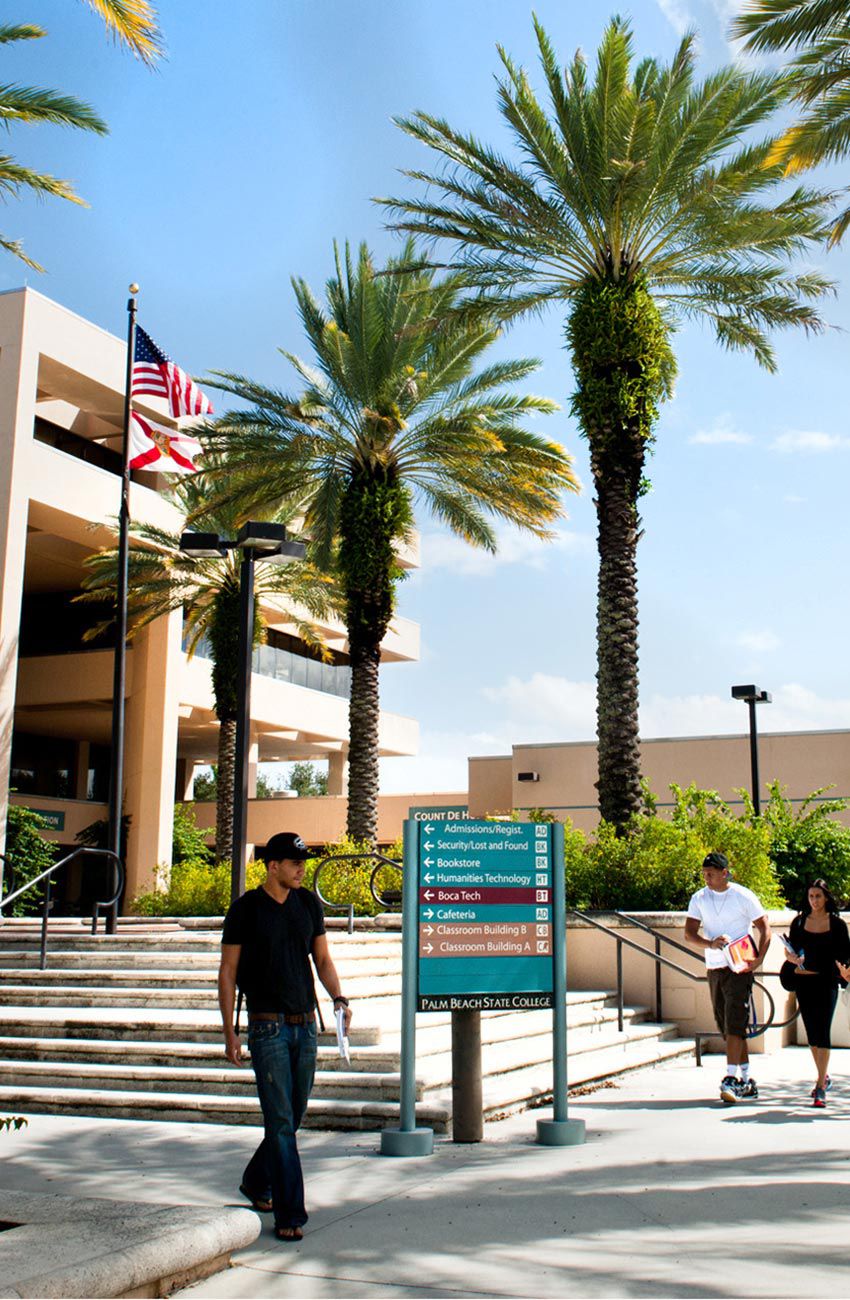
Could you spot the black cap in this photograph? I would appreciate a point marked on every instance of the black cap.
(719, 861)
(285, 846)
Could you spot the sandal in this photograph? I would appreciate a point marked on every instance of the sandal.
(289, 1234)
(262, 1204)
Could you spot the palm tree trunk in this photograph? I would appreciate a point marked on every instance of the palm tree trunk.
(363, 721)
(224, 796)
(617, 634)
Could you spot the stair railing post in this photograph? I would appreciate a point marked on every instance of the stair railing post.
(620, 985)
(659, 1016)
(44, 915)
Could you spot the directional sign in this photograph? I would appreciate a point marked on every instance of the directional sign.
(484, 904)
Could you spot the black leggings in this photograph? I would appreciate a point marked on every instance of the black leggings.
(816, 1000)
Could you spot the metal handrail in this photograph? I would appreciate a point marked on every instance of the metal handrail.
(383, 861)
(48, 877)
(755, 1032)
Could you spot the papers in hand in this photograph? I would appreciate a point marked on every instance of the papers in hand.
(342, 1036)
(740, 952)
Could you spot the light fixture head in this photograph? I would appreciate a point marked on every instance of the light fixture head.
(202, 545)
(286, 553)
(751, 693)
(257, 536)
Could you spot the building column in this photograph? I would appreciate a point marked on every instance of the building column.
(18, 383)
(184, 780)
(81, 775)
(253, 765)
(338, 773)
(150, 753)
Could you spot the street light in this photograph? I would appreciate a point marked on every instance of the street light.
(753, 696)
(256, 541)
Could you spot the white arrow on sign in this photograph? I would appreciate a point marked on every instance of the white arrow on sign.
(427, 877)
(427, 929)
(429, 830)
(427, 947)
(429, 862)
(428, 846)
(429, 912)
(428, 895)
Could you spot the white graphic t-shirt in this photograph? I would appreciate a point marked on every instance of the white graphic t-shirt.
(731, 913)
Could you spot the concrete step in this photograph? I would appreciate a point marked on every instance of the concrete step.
(208, 1109)
(137, 1024)
(364, 958)
(38, 988)
(224, 1080)
(372, 1058)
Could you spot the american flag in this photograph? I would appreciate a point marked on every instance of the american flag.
(167, 451)
(156, 375)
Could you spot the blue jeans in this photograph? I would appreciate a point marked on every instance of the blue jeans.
(284, 1061)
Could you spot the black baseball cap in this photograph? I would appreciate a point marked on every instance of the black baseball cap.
(285, 846)
(719, 861)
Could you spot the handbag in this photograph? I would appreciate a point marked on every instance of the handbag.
(788, 976)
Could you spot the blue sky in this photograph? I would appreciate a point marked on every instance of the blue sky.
(262, 138)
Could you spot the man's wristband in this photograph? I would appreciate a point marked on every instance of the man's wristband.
(341, 999)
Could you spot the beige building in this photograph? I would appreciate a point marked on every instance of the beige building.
(61, 410)
(561, 778)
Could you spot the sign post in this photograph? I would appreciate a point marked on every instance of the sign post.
(483, 929)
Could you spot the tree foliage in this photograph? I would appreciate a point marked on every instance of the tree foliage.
(395, 411)
(817, 34)
(637, 197)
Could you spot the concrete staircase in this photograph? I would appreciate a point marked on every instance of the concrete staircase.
(127, 1026)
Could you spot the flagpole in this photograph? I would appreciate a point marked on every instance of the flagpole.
(119, 678)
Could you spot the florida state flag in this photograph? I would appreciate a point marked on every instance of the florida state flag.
(167, 451)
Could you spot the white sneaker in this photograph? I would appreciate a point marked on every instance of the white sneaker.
(730, 1089)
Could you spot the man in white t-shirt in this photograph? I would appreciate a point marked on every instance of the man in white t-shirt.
(725, 912)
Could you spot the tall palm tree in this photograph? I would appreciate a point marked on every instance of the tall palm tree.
(162, 578)
(638, 199)
(393, 410)
(818, 79)
(133, 23)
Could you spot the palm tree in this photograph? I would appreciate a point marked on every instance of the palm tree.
(818, 79)
(133, 23)
(393, 410)
(162, 578)
(637, 200)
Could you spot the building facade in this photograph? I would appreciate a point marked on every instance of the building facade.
(61, 415)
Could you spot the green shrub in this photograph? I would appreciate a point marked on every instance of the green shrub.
(27, 855)
(807, 843)
(188, 841)
(195, 888)
(348, 882)
(656, 865)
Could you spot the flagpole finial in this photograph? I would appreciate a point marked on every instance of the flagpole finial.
(134, 288)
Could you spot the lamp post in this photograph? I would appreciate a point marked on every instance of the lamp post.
(256, 541)
(753, 696)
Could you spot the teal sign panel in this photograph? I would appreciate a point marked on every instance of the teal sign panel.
(484, 901)
(442, 813)
(53, 821)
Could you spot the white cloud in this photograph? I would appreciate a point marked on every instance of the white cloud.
(444, 551)
(760, 642)
(719, 437)
(803, 441)
(677, 14)
(793, 500)
(441, 764)
(548, 707)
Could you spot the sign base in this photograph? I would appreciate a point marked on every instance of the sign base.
(560, 1132)
(414, 1142)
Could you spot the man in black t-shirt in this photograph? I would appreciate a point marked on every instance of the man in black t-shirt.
(269, 936)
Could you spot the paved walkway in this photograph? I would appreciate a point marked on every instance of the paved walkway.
(673, 1195)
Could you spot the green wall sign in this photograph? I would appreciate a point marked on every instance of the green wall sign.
(54, 821)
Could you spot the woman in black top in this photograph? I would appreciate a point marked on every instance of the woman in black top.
(822, 943)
